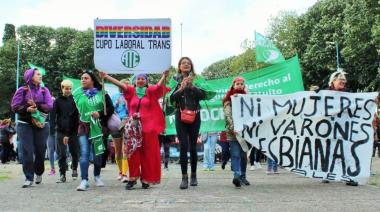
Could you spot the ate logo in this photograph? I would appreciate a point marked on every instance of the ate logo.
(130, 58)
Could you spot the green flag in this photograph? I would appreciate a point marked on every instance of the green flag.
(42, 70)
(266, 51)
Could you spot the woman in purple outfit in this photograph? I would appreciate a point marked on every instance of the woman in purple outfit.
(31, 102)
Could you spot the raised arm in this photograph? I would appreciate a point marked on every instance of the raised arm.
(112, 80)
(163, 78)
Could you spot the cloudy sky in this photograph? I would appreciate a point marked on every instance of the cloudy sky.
(211, 29)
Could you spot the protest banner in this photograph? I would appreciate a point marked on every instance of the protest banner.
(282, 78)
(132, 45)
(324, 135)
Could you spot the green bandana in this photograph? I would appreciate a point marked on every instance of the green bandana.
(140, 92)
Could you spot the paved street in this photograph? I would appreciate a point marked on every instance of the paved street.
(283, 192)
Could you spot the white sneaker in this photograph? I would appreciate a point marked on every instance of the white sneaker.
(258, 165)
(124, 179)
(38, 179)
(252, 168)
(27, 184)
(98, 181)
(119, 177)
(83, 186)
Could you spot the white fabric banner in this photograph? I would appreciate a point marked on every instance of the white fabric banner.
(325, 135)
(132, 45)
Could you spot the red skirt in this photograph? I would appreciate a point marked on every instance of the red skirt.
(145, 162)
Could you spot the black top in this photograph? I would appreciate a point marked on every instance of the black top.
(64, 116)
(188, 98)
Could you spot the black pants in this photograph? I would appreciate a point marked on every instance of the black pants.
(376, 144)
(62, 150)
(33, 148)
(188, 136)
(165, 141)
(6, 152)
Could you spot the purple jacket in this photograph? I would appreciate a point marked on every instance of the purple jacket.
(41, 97)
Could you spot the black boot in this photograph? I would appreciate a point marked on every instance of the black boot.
(185, 182)
(193, 179)
(144, 185)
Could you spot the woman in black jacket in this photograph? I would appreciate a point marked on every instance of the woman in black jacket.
(189, 90)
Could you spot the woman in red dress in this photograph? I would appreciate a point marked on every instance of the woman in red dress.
(145, 160)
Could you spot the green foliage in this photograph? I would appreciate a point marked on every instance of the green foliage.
(9, 33)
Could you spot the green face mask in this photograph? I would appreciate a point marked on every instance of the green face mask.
(140, 92)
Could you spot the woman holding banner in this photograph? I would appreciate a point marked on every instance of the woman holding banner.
(189, 90)
(90, 102)
(337, 82)
(143, 151)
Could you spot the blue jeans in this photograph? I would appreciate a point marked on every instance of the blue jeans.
(237, 154)
(33, 144)
(85, 149)
(272, 165)
(209, 151)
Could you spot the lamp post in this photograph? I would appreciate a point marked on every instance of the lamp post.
(17, 72)
(338, 68)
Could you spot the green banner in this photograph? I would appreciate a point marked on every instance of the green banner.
(282, 78)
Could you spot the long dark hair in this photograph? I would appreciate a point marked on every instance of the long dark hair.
(191, 63)
(94, 78)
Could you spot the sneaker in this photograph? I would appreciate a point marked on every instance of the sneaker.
(74, 175)
(144, 185)
(130, 185)
(258, 165)
(27, 184)
(124, 179)
(119, 177)
(269, 172)
(38, 179)
(98, 181)
(52, 172)
(62, 179)
(252, 168)
(83, 186)
(276, 172)
(244, 181)
(236, 181)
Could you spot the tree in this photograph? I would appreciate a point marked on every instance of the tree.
(9, 33)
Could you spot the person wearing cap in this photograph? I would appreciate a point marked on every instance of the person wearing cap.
(144, 159)
(65, 117)
(237, 148)
(29, 102)
(89, 100)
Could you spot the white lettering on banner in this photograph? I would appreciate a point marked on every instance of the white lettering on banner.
(325, 135)
(214, 114)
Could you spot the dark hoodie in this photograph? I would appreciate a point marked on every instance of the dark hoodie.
(40, 95)
(65, 115)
